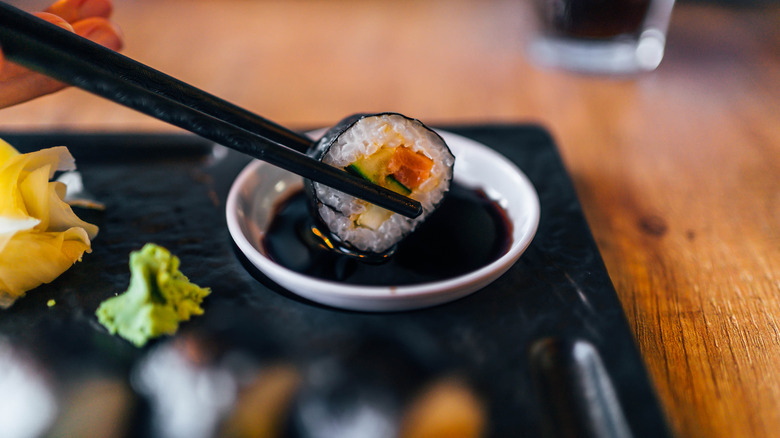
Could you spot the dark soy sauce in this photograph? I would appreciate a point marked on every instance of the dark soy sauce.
(467, 232)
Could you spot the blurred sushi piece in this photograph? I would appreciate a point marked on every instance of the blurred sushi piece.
(388, 149)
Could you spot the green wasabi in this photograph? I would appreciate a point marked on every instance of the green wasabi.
(158, 298)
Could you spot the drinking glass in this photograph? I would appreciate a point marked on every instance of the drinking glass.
(601, 36)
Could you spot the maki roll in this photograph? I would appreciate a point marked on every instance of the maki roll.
(388, 149)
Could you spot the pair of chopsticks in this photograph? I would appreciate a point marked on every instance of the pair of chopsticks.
(67, 57)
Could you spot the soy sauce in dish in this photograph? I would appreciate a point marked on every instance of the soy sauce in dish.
(466, 232)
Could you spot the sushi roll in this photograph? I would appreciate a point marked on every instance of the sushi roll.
(390, 150)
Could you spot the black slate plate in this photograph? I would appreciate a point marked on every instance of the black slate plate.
(546, 347)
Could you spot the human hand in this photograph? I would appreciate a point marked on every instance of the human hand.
(88, 18)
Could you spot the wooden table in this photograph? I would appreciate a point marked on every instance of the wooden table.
(678, 170)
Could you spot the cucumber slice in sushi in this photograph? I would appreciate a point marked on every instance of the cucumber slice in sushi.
(389, 149)
(389, 181)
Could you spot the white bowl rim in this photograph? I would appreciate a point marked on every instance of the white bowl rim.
(333, 292)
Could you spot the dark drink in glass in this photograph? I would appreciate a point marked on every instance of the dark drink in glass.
(601, 36)
(593, 19)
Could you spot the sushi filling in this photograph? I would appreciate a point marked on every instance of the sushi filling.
(399, 169)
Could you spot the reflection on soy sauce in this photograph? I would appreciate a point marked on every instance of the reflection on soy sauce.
(467, 232)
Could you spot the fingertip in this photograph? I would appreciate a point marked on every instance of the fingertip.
(75, 10)
(54, 19)
(101, 31)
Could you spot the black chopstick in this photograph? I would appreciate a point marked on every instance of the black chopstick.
(67, 57)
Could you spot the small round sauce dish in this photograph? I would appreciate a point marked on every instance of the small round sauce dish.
(261, 188)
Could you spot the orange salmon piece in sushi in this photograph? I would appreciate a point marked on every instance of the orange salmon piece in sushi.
(410, 168)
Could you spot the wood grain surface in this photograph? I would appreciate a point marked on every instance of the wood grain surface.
(678, 170)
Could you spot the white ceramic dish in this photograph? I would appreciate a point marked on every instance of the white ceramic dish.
(260, 186)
